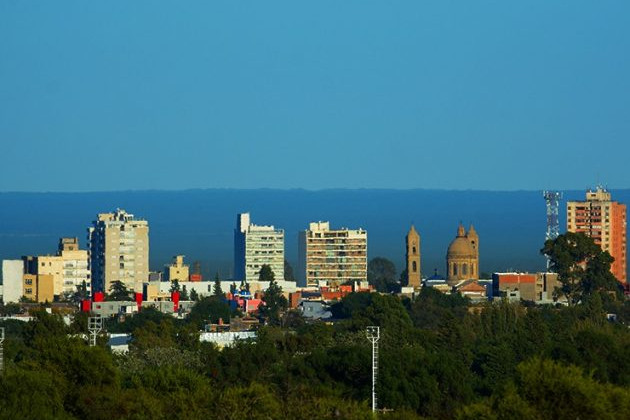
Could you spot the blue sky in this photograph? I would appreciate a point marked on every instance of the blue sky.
(499, 95)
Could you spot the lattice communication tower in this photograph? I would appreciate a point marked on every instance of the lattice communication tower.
(552, 199)
(373, 334)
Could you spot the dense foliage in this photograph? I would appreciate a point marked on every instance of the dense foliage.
(440, 357)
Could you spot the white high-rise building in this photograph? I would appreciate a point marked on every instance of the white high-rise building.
(119, 251)
(255, 246)
(327, 255)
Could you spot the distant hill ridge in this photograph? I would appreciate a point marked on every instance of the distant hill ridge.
(199, 223)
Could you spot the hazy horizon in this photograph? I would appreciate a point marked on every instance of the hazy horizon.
(140, 190)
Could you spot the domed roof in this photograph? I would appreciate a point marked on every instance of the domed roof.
(460, 247)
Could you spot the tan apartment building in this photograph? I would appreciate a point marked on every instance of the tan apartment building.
(177, 270)
(605, 221)
(51, 265)
(327, 255)
(76, 269)
(29, 286)
(68, 268)
(118, 251)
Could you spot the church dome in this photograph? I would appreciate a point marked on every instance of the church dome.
(460, 247)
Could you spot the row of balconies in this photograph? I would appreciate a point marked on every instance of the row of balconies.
(337, 268)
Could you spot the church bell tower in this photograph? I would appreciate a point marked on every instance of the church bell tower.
(413, 258)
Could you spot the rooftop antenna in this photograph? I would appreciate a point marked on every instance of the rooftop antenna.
(373, 334)
(552, 200)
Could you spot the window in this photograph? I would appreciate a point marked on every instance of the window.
(414, 267)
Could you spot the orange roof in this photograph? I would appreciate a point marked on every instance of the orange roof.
(516, 278)
(472, 287)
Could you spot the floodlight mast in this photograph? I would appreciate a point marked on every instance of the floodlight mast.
(1, 350)
(373, 334)
(95, 326)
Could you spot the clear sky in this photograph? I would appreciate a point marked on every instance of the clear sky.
(498, 95)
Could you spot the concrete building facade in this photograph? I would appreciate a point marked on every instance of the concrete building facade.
(51, 265)
(39, 288)
(177, 270)
(535, 287)
(331, 256)
(412, 242)
(29, 286)
(12, 272)
(605, 221)
(255, 246)
(118, 250)
(462, 257)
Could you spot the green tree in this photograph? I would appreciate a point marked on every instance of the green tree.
(9, 309)
(194, 296)
(174, 286)
(209, 309)
(266, 273)
(184, 294)
(544, 389)
(582, 266)
(31, 394)
(275, 302)
(255, 401)
(217, 291)
(382, 274)
(81, 293)
(118, 291)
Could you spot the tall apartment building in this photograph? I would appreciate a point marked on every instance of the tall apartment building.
(255, 246)
(76, 269)
(118, 250)
(603, 220)
(327, 255)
